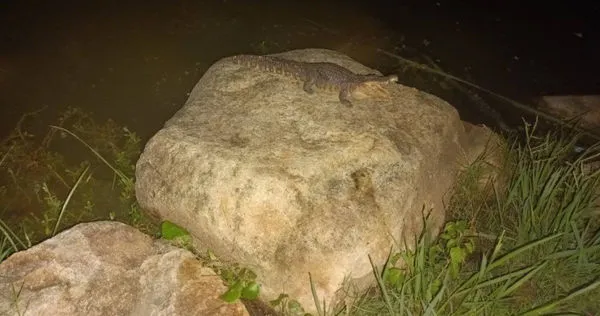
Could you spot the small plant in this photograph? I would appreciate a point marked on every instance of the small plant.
(176, 234)
(455, 243)
(241, 282)
(289, 306)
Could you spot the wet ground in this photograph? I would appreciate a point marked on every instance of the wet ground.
(135, 61)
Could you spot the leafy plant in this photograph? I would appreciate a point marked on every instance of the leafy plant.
(241, 284)
(176, 234)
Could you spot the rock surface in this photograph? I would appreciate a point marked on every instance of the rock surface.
(485, 156)
(109, 268)
(583, 109)
(289, 183)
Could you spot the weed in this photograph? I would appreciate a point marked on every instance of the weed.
(48, 183)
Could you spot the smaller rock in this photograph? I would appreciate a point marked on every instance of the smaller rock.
(109, 268)
(584, 109)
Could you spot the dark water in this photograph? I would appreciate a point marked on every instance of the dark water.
(135, 61)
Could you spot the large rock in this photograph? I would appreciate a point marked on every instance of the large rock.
(289, 183)
(109, 268)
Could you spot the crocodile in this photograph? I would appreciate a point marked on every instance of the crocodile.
(323, 75)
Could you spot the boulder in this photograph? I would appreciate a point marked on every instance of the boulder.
(109, 268)
(289, 183)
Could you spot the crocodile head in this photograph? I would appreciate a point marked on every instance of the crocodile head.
(375, 88)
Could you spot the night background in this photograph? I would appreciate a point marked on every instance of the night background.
(135, 61)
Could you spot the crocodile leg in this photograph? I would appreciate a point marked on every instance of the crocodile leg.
(345, 96)
(309, 85)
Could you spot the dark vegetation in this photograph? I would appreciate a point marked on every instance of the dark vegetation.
(530, 247)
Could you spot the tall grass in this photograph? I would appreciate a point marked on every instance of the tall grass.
(533, 250)
(79, 170)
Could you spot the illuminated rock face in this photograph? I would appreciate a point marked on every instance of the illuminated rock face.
(289, 183)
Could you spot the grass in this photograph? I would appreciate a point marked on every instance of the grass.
(532, 249)
(45, 191)
(524, 243)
